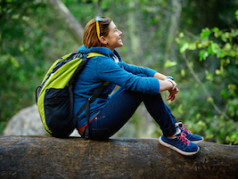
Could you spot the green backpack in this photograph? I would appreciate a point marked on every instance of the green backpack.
(54, 97)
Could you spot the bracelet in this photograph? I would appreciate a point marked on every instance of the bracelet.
(172, 86)
(169, 77)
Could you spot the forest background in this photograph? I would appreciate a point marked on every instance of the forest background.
(196, 42)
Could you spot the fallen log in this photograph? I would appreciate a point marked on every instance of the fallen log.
(48, 157)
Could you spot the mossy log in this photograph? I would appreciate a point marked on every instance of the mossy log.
(48, 157)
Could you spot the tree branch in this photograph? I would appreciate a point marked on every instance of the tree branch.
(68, 19)
(203, 87)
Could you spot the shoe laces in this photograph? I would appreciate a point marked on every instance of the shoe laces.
(183, 138)
(185, 129)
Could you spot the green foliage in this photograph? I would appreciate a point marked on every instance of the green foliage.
(25, 45)
(221, 44)
(13, 33)
(217, 50)
(169, 64)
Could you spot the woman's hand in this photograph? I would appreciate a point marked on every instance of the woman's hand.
(172, 94)
(173, 91)
(167, 85)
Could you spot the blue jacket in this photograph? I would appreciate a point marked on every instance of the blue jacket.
(102, 69)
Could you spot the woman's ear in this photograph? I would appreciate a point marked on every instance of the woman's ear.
(103, 40)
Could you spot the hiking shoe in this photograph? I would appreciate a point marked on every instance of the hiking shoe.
(180, 144)
(192, 137)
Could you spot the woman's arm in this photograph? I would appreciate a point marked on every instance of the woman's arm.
(108, 70)
(159, 76)
(137, 69)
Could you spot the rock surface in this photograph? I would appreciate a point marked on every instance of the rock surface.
(48, 157)
(27, 122)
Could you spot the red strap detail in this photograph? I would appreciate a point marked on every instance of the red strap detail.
(81, 129)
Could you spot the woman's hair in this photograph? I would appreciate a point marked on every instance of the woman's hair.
(90, 37)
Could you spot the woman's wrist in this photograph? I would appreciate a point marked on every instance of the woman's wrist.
(172, 85)
(169, 77)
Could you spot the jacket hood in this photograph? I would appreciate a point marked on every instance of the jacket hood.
(101, 50)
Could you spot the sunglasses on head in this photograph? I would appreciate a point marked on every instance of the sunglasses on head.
(98, 19)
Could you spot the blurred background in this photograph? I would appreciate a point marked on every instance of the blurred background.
(196, 42)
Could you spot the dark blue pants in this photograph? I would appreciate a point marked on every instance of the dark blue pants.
(122, 105)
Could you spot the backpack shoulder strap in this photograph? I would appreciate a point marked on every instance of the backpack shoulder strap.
(94, 54)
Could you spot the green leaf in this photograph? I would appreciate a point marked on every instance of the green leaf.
(180, 109)
(183, 73)
(215, 48)
(210, 50)
(215, 29)
(21, 48)
(205, 33)
(220, 71)
(225, 62)
(181, 35)
(227, 46)
(225, 36)
(201, 124)
(224, 93)
(198, 115)
(221, 53)
(203, 44)
(210, 99)
(192, 46)
(217, 32)
(232, 87)
(169, 64)
(14, 62)
(184, 47)
(203, 55)
(209, 76)
(234, 33)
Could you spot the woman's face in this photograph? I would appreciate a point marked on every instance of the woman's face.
(113, 39)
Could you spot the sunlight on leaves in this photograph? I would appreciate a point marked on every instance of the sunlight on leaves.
(169, 64)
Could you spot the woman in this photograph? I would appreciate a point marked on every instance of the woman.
(137, 84)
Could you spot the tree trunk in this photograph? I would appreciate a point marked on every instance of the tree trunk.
(174, 23)
(133, 28)
(68, 19)
(48, 157)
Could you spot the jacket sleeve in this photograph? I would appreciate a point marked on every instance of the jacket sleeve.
(108, 70)
(137, 69)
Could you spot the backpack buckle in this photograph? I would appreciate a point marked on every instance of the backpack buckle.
(78, 55)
